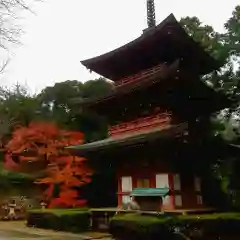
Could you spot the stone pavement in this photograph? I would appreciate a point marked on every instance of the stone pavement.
(17, 230)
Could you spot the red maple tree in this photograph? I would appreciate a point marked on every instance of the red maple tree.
(41, 146)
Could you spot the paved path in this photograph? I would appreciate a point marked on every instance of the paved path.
(18, 231)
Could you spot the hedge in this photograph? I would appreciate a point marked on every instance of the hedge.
(212, 226)
(218, 224)
(70, 220)
(135, 226)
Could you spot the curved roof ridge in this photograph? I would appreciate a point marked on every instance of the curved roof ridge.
(165, 42)
(168, 19)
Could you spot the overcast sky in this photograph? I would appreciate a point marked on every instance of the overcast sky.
(64, 32)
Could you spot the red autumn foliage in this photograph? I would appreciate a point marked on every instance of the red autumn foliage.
(42, 146)
(67, 198)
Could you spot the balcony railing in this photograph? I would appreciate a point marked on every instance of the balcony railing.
(141, 75)
(160, 119)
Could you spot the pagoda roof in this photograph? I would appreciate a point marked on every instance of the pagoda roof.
(164, 73)
(130, 139)
(166, 42)
(215, 100)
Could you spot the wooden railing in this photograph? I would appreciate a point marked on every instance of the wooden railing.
(160, 119)
(141, 75)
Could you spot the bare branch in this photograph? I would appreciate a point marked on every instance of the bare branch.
(9, 14)
(4, 65)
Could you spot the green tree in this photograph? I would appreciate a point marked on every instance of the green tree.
(17, 106)
(225, 126)
(210, 40)
(222, 46)
(232, 36)
(62, 99)
(57, 99)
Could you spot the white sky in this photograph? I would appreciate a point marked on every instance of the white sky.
(63, 32)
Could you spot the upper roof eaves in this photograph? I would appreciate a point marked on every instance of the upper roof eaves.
(168, 40)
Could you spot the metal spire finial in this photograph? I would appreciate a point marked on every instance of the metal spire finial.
(151, 13)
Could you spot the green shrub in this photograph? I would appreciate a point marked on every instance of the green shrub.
(137, 226)
(70, 220)
(217, 224)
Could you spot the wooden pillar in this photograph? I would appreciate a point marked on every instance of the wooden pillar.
(119, 190)
(171, 187)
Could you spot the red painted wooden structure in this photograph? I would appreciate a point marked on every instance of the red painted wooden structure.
(157, 86)
(159, 120)
(181, 196)
(140, 76)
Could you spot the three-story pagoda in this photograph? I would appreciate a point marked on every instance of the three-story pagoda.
(156, 103)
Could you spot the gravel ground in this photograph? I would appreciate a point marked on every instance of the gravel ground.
(18, 230)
